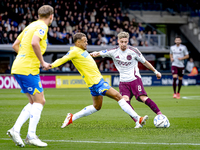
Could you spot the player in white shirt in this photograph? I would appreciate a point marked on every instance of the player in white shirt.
(178, 53)
(126, 59)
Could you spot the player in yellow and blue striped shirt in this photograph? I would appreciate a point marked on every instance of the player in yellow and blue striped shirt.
(88, 69)
(30, 45)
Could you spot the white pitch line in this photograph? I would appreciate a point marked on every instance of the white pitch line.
(139, 143)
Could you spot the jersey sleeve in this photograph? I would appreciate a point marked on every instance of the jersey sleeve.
(105, 53)
(41, 31)
(171, 52)
(20, 36)
(140, 57)
(63, 60)
(186, 51)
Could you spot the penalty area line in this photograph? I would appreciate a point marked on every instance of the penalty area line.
(101, 142)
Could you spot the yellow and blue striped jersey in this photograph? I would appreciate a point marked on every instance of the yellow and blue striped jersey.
(84, 63)
(26, 61)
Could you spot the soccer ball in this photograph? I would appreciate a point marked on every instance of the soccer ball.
(161, 121)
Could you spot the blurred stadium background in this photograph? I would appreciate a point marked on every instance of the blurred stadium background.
(152, 25)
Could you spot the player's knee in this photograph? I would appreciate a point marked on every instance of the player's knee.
(142, 98)
(126, 98)
(180, 78)
(117, 96)
(43, 102)
(97, 107)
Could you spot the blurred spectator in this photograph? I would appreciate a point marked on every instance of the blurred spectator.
(134, 23)
(66, 68)
(58, 33)
(106, 29)
(189, 65)
(7, 24)
(93, 15)
(68, 27)
(5, 39)
(15, 36)
(133, 41)
(50, 32)
(126, 18)
(5, 16)
(141, 28)
(141, 36)
(89, 37)
(63, 33)
(1, 33)
(154, 39)
(107, 67)
(11, 39)
(54, 22)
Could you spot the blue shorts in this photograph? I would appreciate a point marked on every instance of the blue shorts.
(29, 84)
(100, 88)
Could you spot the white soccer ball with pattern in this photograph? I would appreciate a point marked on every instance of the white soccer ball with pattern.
(161, 121)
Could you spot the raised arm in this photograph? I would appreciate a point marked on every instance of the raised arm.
(149, 66)
(95, 54)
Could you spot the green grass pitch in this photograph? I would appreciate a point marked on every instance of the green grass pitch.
(110, 128)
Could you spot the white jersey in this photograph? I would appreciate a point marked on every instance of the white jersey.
(126, 61)
(178, 52)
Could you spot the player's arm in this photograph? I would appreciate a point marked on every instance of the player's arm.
(60, 61)
(36, 47)
(15, 45)
(95, 54)
(185, 57)
(171, 57)
(103, 53)
(149, 66)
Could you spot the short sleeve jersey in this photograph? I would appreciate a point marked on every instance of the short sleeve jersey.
(178, 52)
(126, 62)
(26, 61)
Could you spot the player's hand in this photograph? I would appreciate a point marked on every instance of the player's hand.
(94, 54)
(46, 66)
(179, 58)
(158, 75)
(172, 59)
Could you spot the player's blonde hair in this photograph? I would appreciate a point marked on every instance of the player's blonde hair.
(123, 35)
(78, 36)
(45, 11)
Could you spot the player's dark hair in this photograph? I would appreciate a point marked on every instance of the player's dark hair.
(178, 36)
(78, 36)
(45, 11)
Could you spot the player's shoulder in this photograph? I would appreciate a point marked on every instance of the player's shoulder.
(134, 50)
(183, 46)
(173, 46)
(113, 49)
